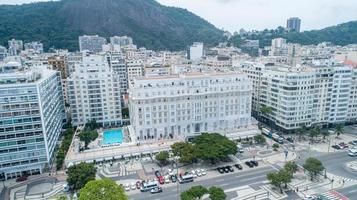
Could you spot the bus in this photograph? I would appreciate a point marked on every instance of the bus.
(277, 138)
(185, 178)
(352, 152)
(266, 132)
(147, 186)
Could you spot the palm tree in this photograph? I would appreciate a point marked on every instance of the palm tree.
(325, 133)
(301, 131)
(338, 130)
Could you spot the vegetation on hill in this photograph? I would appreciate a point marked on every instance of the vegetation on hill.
(59, 23)
(342, 34)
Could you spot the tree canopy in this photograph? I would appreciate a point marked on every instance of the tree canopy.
(104, 189)
(213, 146)
(280, 177)
(79, 175)
(216, 193)
(185, 150)
(195, 192)
(88, 136)
(162, 157)
(313, 166)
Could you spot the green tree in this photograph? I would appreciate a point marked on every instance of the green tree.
(195, 192)
(213, 146)
(162, 157)
(88, 136)
(260, 139)
(301, 131)
(79, 175)
(65, 144)
(266, 110)
(313, 166)
(125, 112)
(338, 130)
(275, 146)
(185, 150)
(104, 189)
(216, 193)
(62, 197)
(291, 167)
(278, 178)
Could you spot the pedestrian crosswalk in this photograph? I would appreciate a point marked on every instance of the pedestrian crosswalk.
(341, 179)
(333, 195)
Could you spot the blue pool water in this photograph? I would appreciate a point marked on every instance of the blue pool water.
(112, 137)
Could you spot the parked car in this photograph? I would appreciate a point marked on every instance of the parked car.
(230, 168)
(238, 166)
(132, 186)
(203, 172)
(249, 164)
(226, 170)
(170, 172)
(289, 139)
(161, 180)
(21, 178)
(254, 162)
(138, 184)
(220, 170)
(354, 142)
(336, 146)
(193, 172)
(173, 178)
(198, 172)
(127, 187)
(156, 190)
(157, 173)
(167, 179)
(343, 145)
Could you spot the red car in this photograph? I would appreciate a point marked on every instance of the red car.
(21, 178)
(161, 180)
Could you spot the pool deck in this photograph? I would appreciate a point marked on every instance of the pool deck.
(123, 151)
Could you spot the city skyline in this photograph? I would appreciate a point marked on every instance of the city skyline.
(330, 13)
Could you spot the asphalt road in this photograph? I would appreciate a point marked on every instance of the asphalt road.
(334, 162)
(226, 181)
(350, 192)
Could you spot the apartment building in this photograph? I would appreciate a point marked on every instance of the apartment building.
(94, 92)
(35, 47)
(92, 43)
(3, 53)
(303, 95)
(183, 106)
(31, 119)
(59, 63)
(15, 47)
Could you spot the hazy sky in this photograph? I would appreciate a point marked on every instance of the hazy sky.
(259, 14)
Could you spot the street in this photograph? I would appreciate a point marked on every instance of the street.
(335, 163)
(228, 181)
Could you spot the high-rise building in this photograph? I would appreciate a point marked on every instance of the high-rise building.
(15, 47)
(59, 63)
(92, 43)
(94, 92)
(293, 24)
(304, 95)
(121, 41)
(3, 53)
(196, 51)
(36, 47)
(183, 106)
(31, 120)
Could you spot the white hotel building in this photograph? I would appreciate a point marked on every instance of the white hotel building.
(31, 119)
(183, 106)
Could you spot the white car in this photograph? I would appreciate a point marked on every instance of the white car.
(193, 172)
(171, 173)
(203, 172)
(198, 172)
(167, 179)
(133, 186)
(127, 187)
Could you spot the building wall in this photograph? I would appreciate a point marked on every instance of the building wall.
(186, 105)
(31, 119)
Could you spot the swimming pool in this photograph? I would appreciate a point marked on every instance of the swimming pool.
(112, 137)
